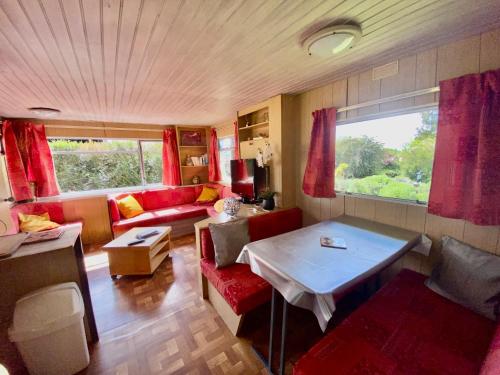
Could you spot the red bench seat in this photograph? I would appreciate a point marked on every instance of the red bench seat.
(405, 328)
(237, 284)
(160, 216)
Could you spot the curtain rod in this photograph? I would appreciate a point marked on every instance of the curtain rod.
(390, 99)
(101, 128)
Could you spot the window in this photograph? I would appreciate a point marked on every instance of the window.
(388, 157)
(93, 164)
(226, 154)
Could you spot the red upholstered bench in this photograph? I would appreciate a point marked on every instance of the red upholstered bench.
(174, 206)
(406, 328)
(54, 209)
(236, 290)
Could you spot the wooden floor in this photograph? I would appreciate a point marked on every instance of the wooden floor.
(160, 324)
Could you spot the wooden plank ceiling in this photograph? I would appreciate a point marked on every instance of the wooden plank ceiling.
(198, 61)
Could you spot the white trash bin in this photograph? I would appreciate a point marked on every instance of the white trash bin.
(48, 330)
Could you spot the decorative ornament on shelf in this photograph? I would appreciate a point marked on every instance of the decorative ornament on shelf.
(267, 197)
(232, 206)
(264, 157)
(196, 180)
(189, 162)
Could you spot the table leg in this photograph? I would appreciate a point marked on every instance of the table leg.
(271, 330)
(283, 337)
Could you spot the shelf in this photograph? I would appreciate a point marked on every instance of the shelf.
(193, 166)
(254, 125)
(200, 146)
(255, 140)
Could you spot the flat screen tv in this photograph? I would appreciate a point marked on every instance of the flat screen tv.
(247, 179)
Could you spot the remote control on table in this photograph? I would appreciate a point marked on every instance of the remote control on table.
(147, 234)
(136, 242)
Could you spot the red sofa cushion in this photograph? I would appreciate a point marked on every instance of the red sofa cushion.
(162, 198)
(157, 217)
(207, 245)
(114, 211)
(405, 328)
(54, 209)
(491, 365)
(239, 286)
(274, 223)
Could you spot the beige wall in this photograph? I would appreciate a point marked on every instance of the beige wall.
(419, 71)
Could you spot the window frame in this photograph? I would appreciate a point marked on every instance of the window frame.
(138, 151)
(232, 149)
(378, 116)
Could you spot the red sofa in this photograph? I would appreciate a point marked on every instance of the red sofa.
(165, 206)
(406, 328)
(240, 288)
(54, 209)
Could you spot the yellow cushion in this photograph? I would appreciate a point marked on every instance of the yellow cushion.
(129, 207)
(219, 205)
(208, 195)
(36, 223)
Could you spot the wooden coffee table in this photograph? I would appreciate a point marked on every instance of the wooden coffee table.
(140, 259)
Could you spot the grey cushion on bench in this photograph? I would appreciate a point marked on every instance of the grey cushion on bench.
(229, 239)
(469, 277)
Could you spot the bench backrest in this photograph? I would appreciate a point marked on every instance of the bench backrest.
(259, 227)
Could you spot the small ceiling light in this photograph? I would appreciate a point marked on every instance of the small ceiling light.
(332, 40)
(45, 112)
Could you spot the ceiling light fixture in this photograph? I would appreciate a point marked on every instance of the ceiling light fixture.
(44, 112)
(332, 40)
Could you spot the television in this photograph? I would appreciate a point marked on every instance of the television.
(248, 179)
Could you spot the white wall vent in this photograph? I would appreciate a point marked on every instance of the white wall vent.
(385, 71)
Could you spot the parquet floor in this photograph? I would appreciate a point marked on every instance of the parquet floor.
(160, 324)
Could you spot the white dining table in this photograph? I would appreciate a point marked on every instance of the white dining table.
(309, 275)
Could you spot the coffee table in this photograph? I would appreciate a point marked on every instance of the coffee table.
(140, 259)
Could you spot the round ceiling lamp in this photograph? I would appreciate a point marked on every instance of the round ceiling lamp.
(332, 40)
(44, 112)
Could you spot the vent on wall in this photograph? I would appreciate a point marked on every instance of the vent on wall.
(385, 71)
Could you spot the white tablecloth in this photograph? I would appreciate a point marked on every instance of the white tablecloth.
(308, 275)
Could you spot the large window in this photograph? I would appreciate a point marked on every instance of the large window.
(226, 154)
(93, 164)
(388, 157)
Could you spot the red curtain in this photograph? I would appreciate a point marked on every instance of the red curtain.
(320, 169)
(213, 158)
(466, 173)
(236, 141)
(171, 165)
(29, 159)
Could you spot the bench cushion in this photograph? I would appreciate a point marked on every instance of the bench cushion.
(405, 328)
(239, 286)
(158, 217)
(491, 364)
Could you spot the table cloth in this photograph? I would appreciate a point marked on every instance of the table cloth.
(309, 276)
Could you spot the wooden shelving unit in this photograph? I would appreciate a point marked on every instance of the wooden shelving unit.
(253, 127)
(188, 150)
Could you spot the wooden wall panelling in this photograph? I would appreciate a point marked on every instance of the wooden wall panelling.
(369, 89)
(225, 129)
(426, 75)
(490, 51)
(399, 83)
(352, 94)
(458, 58)
(483, 237)
(93, 211)
(289, 135)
